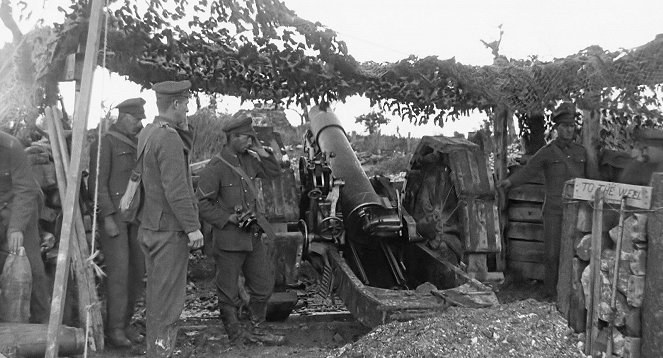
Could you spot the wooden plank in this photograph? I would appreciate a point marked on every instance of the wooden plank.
(636, 196)
(528, 192)
(536, 179)
(469, 172)
(569, 236)
(71, 199)
(525, 212)
(652, 311)
(480, 224)
(525, 231)
(530, 270)
(591, 323)
(86, 284)
(526, 251)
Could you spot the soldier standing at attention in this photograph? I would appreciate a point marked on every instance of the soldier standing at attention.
(560, 160)
(19, 203)
(125, 263)
(168, 217)
(228, 200)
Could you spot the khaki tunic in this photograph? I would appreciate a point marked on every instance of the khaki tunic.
(220, 189)
(559, 163)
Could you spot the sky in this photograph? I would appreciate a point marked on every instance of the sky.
(390, 30)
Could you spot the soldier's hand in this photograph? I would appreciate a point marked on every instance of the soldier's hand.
(195, 239)
(14, 241)
(233, 219)
(110, 226)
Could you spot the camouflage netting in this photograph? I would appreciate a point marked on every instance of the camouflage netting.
(262, 51)
(529, 86)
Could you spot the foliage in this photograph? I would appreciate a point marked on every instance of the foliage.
(260, 50)
(390, 166)
(209, 136)
(372, 121)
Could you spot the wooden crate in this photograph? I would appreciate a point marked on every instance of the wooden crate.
(525, 231)
(481, 233)
(477, 207)
(525, 212)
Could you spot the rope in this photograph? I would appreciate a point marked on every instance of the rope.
(93, 251)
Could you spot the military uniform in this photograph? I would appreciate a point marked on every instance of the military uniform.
(222, 192)
(559, 161)
(169, 212)
(123, 257)
(19, 203)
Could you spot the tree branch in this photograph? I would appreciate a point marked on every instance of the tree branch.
(8, 20)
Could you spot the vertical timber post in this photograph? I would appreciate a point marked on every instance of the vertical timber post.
(500, 124)
(652, 305)
(591, 134)
(74, 179)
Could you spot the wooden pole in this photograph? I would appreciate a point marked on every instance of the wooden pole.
(615, 275)
(71, 199)
(87, 293)
(500, 123)
(652, 305)
(591, 325)
(591, 139)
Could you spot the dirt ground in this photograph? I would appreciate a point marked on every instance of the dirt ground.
(527, 325)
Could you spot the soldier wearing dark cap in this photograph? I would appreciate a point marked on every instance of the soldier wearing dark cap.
(649, 144)
(19, 202)
(168, 216)
(125, 263)
(560, 160)
(228, 201)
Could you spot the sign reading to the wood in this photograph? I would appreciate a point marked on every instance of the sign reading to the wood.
(636, 196)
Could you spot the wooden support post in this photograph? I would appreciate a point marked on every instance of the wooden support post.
(87, 293)
(71, 198)
(591, 140)
(652, 309)
(592, 329)
(500, 120)
(567, 251)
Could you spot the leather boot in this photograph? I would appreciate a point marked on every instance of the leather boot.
(257, 312)
(235, 331)
(117, 338)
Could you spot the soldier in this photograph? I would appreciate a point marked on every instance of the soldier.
(228, 201)
(649, 144)
(19, 203)
(169, 214)
(560, 160)
(125, 263)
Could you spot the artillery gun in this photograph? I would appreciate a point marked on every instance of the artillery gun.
(367, 241)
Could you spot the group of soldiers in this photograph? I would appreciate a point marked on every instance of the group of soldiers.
(157, 240)
(146, 248)
(563, 159)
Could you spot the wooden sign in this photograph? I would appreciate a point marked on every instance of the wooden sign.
(636, 196)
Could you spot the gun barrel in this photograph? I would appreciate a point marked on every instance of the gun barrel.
(357, 195)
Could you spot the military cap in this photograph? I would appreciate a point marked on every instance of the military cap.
(564, 113)
(240, 123)
(132, 106)
(650, 136)
(172, 89)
